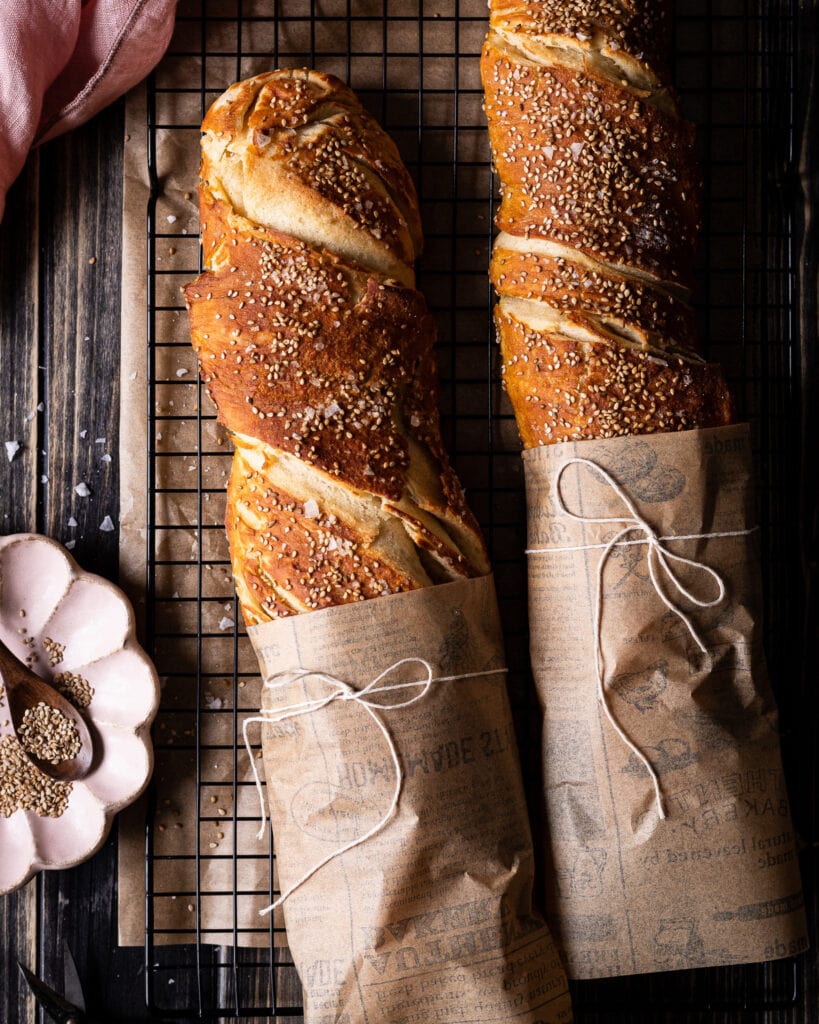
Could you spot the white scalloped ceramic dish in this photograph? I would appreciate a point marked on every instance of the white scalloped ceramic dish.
(95, 622)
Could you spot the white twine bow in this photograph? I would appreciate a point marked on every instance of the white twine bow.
(658, 558)
(341, 691)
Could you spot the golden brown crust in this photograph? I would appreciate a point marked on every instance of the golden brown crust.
(590, 297)
(566, 390)
(589, 164)
(635, 35)
(311, 356)
(295, 150)
(320, 362)
(599, 217)
(290, 559)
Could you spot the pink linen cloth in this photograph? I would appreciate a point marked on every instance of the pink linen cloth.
(62, 61)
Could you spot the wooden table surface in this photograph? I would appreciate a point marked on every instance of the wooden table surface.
(59, 357)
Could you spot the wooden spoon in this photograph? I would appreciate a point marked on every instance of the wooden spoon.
(26, 690)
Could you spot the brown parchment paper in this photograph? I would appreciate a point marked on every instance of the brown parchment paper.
(430, 919)
(717, 882)
(193, 588)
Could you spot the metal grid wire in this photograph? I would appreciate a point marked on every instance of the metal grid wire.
(414, 64)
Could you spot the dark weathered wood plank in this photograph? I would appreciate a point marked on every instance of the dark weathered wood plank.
(18, 352)
(18, 498)
(80, 244)
(81, 222)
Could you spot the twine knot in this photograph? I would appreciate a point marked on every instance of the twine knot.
(339, 690)
(663, 572)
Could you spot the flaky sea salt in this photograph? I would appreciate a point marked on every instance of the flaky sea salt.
(311, 509)
(12, 447)
(83, 489)
(225, 623)
(107, 525)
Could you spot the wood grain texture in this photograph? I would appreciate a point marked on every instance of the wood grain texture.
(19, 307)
(59, 345)
(81, 222)
(18, 489)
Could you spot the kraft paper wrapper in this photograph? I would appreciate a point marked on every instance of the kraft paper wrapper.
(430, 919)
(717, 882)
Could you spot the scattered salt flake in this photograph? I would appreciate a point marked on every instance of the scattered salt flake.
(83, 489)
(12, 447)
(415, 421)
(191, 469)
(171, 219)
(159, 437)
(133, 376)
(100, 440)
(225, 623)
(70, 544)
(368, 471)
(83, 434)
(107, 525)
(331, 410)
(549, 151)
(43, 479)
(30, 416)
(73, 522)
(311, 509)
(106, 458)
(577, 149)
(175, 595)
(182, 371)
(214, 703)
(40, 407)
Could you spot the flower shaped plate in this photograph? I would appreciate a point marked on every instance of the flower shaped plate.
(89, 623)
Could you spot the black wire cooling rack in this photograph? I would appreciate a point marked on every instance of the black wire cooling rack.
(414, 63)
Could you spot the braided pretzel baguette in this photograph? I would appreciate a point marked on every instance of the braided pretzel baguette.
(598, 219)
(317, 351)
